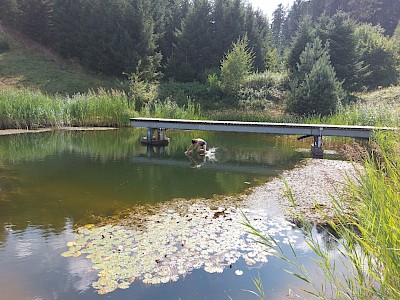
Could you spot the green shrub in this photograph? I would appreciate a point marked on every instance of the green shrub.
(197, 92)
(236, 65)
(260, 90)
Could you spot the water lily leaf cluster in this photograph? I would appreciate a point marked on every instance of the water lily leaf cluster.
(170, 244)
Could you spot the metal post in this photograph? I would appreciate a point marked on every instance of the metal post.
(150, 151)
(149, 135)
(316, 148)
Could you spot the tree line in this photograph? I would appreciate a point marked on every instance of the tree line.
(353, 44)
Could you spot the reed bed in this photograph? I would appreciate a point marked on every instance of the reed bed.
(170, 109)
(101, 108)
(374, 247)
(365, 114)
(26, 109)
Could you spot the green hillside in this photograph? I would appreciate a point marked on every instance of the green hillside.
(28, 64)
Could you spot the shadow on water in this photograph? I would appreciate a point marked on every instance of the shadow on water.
(52, 181)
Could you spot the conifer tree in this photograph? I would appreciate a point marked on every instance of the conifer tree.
(379, 55)
(277, 26)
(292, 21)
(228, 25)
(193, 48)
(35, 20)
(315, 89)
(9, 12)
(175, 12)
(304, 35)
(339, 31)
(68, 18)
(259, 36)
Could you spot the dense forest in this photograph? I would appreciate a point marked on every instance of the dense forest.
(334, 46)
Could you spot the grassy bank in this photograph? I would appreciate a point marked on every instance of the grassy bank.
(23, 108)
(27, 64)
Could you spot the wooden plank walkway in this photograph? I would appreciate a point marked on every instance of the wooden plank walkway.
(315, 130)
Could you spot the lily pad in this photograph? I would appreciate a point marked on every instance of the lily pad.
(162, 247)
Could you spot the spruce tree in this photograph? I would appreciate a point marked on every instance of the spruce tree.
(277, 26)
(9, 12)
(315, 89)
(35, 20)
(228, 25)
(259, 37)
(193, 48)
(304, 35)
(339, 31)
(378, 54)
(68, 27)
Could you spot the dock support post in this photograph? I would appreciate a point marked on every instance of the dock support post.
(316, 148)
(160, 138)
(149, 134)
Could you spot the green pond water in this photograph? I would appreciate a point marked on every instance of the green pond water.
(53, 184)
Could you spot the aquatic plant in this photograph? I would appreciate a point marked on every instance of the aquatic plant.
(32, 109)
(171, 110)
(101, 108)
(28, 110)
(163, 247)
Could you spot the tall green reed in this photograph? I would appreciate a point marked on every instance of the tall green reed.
(170, 109)
(32, 109)
(29, 109)
(377, 219)
(101, 108)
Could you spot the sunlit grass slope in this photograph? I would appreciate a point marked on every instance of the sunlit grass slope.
(27, 64)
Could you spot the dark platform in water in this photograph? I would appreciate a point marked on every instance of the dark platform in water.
(154, 141)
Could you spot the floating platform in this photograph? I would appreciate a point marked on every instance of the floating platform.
(154, 141)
